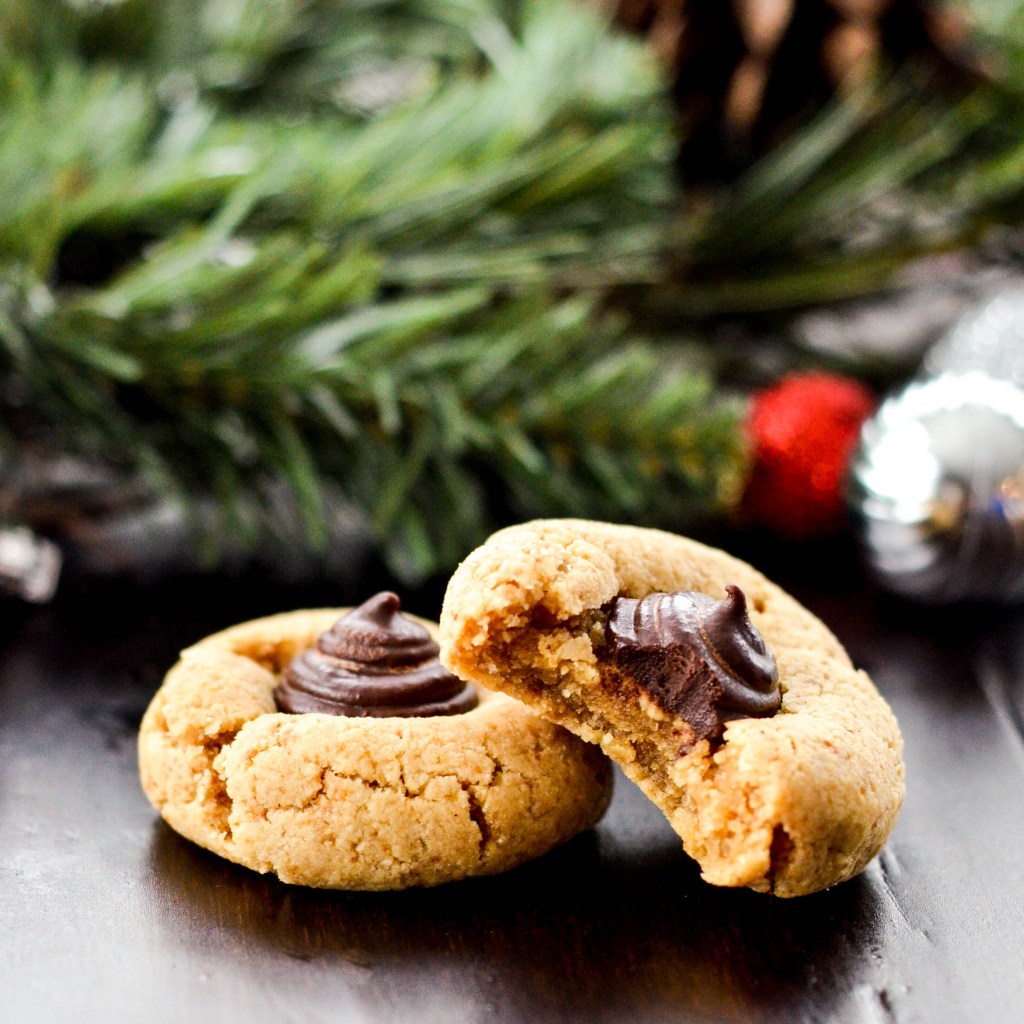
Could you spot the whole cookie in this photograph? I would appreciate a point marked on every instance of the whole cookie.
(731, 706)
(386, 772)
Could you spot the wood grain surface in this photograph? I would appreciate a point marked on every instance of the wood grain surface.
(105, 914)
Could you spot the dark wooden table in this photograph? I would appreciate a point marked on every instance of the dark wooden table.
(105, 914)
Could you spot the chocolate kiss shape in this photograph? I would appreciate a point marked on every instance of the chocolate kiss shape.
(736, 643)
(378, 633)
(374, 662)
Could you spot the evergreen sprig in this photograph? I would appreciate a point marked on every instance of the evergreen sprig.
(228, 279)
(370, 247)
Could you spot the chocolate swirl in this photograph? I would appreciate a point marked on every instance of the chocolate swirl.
(697, 658)
(373, 663)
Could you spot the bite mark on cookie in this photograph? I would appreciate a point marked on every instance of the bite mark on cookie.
(787, 803)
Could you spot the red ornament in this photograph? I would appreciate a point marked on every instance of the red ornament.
(803, 431)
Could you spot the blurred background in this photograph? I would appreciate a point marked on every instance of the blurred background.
(323, 289)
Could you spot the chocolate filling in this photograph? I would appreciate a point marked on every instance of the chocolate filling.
(373, 663)
(699, 659)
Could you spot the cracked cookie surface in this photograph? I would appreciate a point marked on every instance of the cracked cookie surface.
(354, 803)
(787, 804)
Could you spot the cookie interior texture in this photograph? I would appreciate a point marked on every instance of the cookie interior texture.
(354, 803)
(789, 804)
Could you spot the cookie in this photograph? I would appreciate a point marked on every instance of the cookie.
(731, 706)
(348, 758)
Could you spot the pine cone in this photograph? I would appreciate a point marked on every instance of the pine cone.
(747, 72)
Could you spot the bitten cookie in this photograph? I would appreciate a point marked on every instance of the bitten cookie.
(338, 752)
(777, 762)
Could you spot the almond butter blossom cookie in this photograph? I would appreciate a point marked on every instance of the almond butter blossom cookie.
(334, 750)
(732, 707)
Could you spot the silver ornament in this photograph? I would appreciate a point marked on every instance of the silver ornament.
(29, 565)
(937, 485)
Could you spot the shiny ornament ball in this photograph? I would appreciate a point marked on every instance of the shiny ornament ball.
(937, 483)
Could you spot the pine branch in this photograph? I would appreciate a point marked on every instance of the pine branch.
(902, 169)
(450, 415)
(366, 306)
(368, 248)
